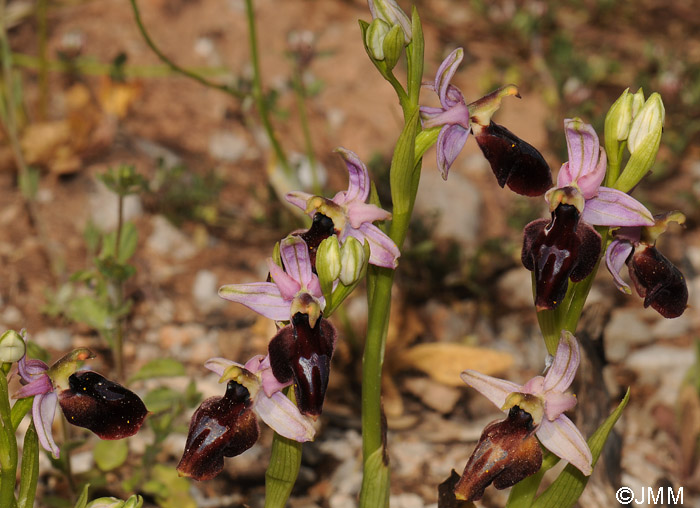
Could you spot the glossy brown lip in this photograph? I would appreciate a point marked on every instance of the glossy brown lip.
(658, 281)
(102, 406)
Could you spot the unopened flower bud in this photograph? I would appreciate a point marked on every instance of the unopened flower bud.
(352, 261)
(637, 101)
(328, 263)
(647, 123)
(619, 118)
(112, 502)
(12, 347)
(390, 12)
(374, 37)
(393, 46)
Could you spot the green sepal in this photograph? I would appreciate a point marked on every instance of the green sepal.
(640, 162)
(567, 488)
(342, 291)
(375, 481)
(393, 46)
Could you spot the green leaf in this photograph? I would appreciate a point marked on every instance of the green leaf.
(162, 398)
(569, 485)
(375, 481)
(402, 164)
(110, 454)
(128, 242)
(160, 367)
(170, 490)
(90, 311)
(29, 474)
(83, 499)
(415, 53)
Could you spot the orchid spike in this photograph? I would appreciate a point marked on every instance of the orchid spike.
(351, 215)
(545, 400)
(226, 426)
(274, 299)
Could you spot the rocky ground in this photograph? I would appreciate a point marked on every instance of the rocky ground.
(460, 281)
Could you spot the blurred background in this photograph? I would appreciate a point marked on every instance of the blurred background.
(84, 95)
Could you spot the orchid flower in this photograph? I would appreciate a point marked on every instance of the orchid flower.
(655, 278)
(274, 299)
(567, 247)
(544, 401)
(87, 399)
(350, 214)
(513, 161)
(226, 426)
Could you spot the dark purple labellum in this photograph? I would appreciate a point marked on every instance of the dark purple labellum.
(514, 162)
(506, 453)
(561, 249)
(303, 354)
(221, 427)
(321, 228)
(658, 281)
(102, 406)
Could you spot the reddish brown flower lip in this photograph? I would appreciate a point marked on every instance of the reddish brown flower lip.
(102, 406)
(221, 427)
(558, 250)
(515, 163)
(506, 453)
(658, 281)
(303, 354)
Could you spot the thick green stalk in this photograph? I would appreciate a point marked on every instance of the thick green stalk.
(258, 93)
(8, 449)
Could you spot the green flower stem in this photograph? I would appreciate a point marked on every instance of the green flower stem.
(175, 67)
(281, 474)
(8, 449)
(258, 93)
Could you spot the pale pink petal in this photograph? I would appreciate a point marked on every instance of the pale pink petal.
(444, 75)
(269, 381)
(584, 149)
(563, 370)
(297, 264)
(557, 403)
(37, 387)
(219, 365)
(43, 412)
(261, 297)
(564, 178)
(382, 249)
(535, 386)
(359, 213)
(359, 183)
(287, 286)
(494, 389)
(456, 115)
(563, 439)
(284, 417)
(450, 142)
(299, 199)
(427, 113)
(615, 257)
(612, 207)
(254, 365)
(31, 369)
(589, 183)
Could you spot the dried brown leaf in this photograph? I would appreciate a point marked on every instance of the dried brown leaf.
(444, 362)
